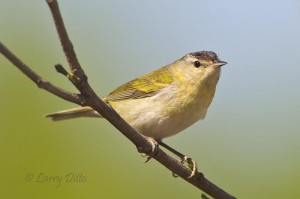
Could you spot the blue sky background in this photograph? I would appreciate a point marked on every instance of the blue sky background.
(248, 144)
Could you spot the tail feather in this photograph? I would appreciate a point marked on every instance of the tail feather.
(73, 113)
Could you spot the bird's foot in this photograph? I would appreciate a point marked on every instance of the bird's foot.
(149, 153)
(192, 164)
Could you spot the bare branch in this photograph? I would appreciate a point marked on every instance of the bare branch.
(65, 41)
(40, 82)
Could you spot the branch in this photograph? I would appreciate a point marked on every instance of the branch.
(64, 40)
(89, 98)
(39, 81)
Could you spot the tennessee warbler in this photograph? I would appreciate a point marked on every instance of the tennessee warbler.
(166, 101)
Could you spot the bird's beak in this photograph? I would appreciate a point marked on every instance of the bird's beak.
(220, 63)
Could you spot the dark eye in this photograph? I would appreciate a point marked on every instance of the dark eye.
(197, 64)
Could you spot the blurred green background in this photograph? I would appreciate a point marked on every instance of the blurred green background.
(248, 144)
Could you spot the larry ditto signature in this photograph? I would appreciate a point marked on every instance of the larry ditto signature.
(57, 180)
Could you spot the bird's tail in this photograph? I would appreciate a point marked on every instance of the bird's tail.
(85, 111)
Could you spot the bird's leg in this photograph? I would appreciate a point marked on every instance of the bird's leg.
(191, 163)
(177, 153)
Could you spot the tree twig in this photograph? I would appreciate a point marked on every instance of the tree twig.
(65, 41)
(39, 81)
(88, 97)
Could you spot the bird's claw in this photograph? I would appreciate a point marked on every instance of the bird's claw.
(192, 164)
(148, 159)
(146, 153)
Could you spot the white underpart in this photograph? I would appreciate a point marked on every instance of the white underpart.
(150, 117)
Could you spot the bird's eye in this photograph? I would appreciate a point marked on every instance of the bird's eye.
(197, 64)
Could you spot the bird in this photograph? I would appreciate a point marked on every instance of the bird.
(164, 102)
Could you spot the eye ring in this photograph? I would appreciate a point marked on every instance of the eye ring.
(197, 64)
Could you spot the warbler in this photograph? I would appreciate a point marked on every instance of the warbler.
(166, 101)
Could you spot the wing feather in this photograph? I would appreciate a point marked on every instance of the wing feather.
(145, 86)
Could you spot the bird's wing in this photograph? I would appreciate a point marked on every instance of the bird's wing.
(145, 86)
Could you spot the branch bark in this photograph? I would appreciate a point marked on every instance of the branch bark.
(88, 97)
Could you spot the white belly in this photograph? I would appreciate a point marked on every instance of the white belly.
(151, 116)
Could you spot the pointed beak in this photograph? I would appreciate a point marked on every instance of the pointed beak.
(220, 63)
